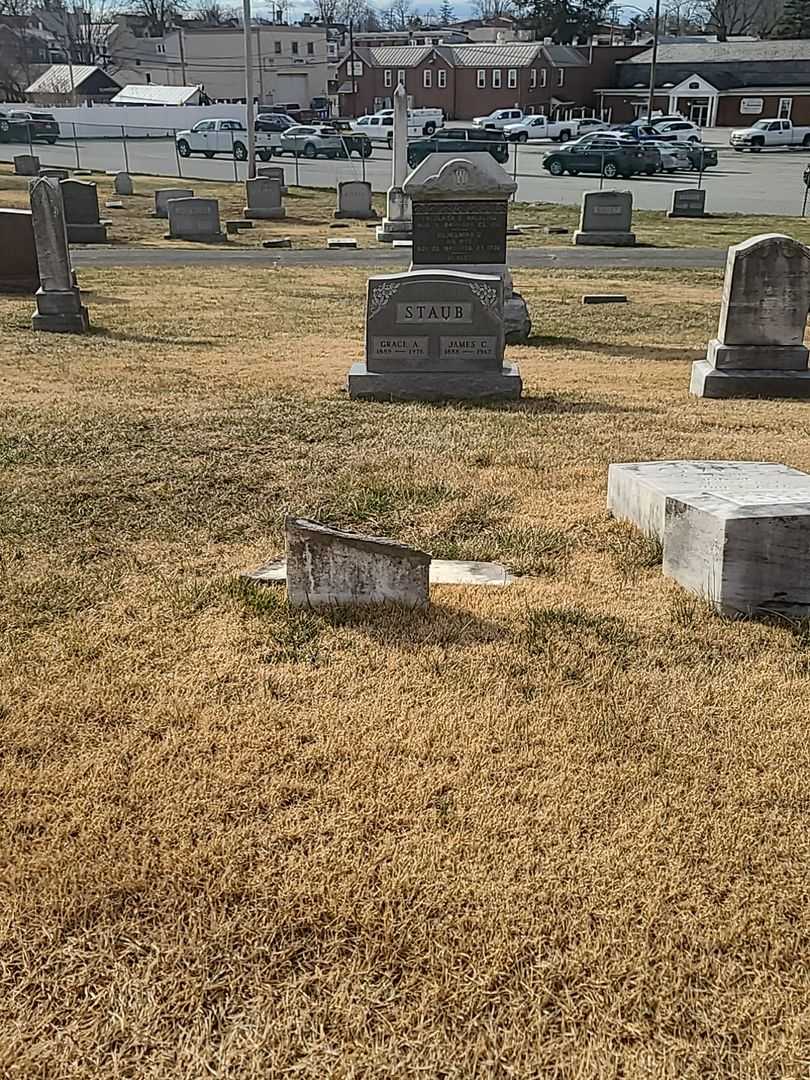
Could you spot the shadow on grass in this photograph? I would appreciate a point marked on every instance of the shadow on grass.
(417, 628)
(631, 352)
(546, 404)
(149, 339)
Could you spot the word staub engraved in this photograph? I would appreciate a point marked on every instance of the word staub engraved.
(428, 312)
(468, 231)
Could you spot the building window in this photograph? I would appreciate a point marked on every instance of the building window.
(543, 77)
(511, 81)
(561, 77)
(481, 79)
(160, 48)
(496, 78)
(441, 78)
(388, 77)
(401, 76)
(533, 79)
(785, 106)
(310, 48)
(427, 78)
(277, 48)
(294, 48)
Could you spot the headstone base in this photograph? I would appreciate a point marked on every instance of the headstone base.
(355, 215)
(87, 234)
(505, 384)
(604, 239)
(390, 230)
(266, 214)
(757, 357)
(709, 382)
(60, 312)
(212, 238)
(687, 213)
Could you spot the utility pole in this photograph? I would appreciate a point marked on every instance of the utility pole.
(651, 99)
(182, 56)
(249, 117)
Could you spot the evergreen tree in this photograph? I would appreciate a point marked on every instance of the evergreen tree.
(446, 14)
(794, 21)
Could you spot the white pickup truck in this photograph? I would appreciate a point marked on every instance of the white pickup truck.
(379, 126)
(540, 127)
(767, 133)
(210, 137)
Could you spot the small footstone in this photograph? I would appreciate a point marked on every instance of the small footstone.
(113, 204)
(604, 298)
(514, 232)
(277, 242)
(328, 566)
(402, 244)
(555, 230)
(233, 227)
(339, 225)
(341, 242)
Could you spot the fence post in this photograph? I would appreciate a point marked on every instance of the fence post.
(233, 155)
(124, 145)
(177, 153)
(76, 145)
(701, 168)
(602, 172)
(297, 176)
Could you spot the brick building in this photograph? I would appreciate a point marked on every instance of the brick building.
(716, 84)
(470, 80)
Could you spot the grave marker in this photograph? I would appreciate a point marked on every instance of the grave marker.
(194, 219)
(81, 212)
(18, 255)
(163, 197)
(59, 306)
(688, 203)
(26, 165)
(273, 172)
(123, 184)
(396, 225)
(263, 199)
(606, 219)
(354, 200)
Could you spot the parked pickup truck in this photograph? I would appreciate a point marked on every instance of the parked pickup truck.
(540, 127)
(766, 133)
(459, 141)
(379, 127)
(210, 137)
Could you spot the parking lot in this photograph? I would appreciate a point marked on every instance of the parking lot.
(770, 182)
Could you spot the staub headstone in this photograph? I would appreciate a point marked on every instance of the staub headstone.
(759, 349)
(26, 165)
(354, 200)
(327, 567)
(18, 255)
(59, 306)
(81, 212)
(163, 197)
(123, 184)
(606, 219)
(459, 208)
(688, 202)
(737, 533)
(273, 172)
(263, 199)
(195, 219)
(434, 335)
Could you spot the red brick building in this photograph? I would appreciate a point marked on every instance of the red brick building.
(471, 80)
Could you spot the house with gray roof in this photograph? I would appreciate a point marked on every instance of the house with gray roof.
(716, 83)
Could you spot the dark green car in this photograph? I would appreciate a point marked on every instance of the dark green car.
(460, 141)
(604, 156)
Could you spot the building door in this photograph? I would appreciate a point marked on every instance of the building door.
(785, 105)
(699, 112)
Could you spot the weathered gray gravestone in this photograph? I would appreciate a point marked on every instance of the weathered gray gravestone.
(59, 306)
(273, 172)
(163, 197)
(123, 184)
(54, 173)
(263, 199)
(688, 202)
(26, 165)
(606, 219)
(735, 532)
(459, 208)
(18, 255)
(329, 566)
(434, 335)
(194, 219)
(759, 350)
(354, 200)
(396, 225)
(81, 212)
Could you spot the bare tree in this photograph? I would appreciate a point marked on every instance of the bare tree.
(728, 18)
(212, 13)
(493, 9)
(159, 14)
(398, 15)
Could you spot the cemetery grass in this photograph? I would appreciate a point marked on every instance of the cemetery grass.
(310, 214)
(558, 829)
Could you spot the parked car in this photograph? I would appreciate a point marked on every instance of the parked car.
(17, 125)
(459, 140)
(766, 133)
(700, 156)
(311, 141)
(589, 123)
(499, 119)
(354, 142)
(274, 121)
(674, 156)
(682, 130)
(540, 127)
(601, 154)
(211, 137)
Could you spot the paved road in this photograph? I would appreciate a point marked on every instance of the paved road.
(565, 258)
(766, 183)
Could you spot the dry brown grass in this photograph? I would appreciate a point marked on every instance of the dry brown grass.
(310, 213)
(556, 830)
